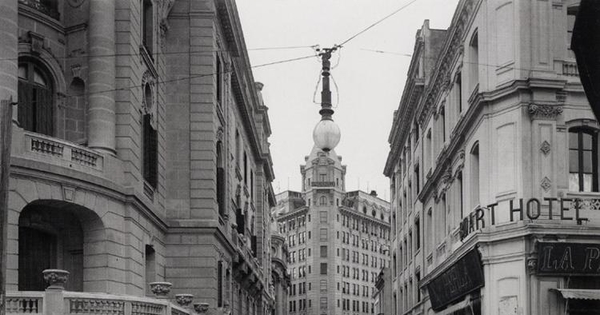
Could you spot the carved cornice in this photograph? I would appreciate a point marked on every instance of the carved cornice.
(544, 111)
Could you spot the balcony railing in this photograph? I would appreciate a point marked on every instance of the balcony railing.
(61, 152)
(570, 69)
(80, 303)
(322, 184)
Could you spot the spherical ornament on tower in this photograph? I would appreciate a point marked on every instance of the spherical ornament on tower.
(326, 135)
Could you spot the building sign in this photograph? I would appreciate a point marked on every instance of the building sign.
(465, 276)
(568, 259)
(565, 209)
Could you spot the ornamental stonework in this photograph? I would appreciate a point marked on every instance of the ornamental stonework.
(546, 184)
(546, 147)
(549, 112)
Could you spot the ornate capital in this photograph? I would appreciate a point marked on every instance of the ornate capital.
(549, 112)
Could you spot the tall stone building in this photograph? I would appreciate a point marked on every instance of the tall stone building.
(338, 241)
(494, 168)
(140, 154)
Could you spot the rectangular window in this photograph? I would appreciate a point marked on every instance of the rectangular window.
(220, 284)
(323, 251)
(150, 157)
(147, 25)
(219, 81)
(323, 268)
(323, 235)
(583, 157)
(323, 216)
(417, 234)
(323, 303)
(323, 284)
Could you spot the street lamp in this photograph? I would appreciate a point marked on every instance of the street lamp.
(326, 134)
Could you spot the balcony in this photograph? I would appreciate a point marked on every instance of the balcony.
(322, 184)
(58, 152)
(570, 69)
(57, 301)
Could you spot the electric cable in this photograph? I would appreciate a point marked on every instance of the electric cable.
(197, 76)
(135, 54)
(377, 22)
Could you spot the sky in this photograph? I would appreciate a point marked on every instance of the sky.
(369, 71)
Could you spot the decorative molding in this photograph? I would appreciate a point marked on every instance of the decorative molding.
(546, 147)
(201, 308)
(546, 183)
(220, 134)
(161, 289)
(542, 111)
(184, 299)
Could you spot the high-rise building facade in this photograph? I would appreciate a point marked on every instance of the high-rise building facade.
(494, 168)
(140, 155)
(338, 241)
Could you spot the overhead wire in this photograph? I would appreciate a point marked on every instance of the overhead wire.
(135, 54)
(377, 22)
(196, 76)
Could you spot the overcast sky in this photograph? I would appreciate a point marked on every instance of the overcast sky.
(369, 83)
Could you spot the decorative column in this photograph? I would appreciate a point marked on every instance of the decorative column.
(101, 79)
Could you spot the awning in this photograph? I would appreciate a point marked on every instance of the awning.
(579, 294)
(451, 309)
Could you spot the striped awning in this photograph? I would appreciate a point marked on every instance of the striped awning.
(579, 294)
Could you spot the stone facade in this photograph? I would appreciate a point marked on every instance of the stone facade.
(338, 241)
(139, 152)
(492, 136)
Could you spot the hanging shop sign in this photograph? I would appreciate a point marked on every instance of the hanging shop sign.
(565, 209)
(462, 278)
(568, 259)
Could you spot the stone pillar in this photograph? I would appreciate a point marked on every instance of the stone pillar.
(8, 49)
(53, 298)
(101, 80)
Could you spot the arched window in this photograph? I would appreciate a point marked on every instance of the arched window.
(583, 159)
(36, 104)
(323, 201)
(475, 175)
(220, 179)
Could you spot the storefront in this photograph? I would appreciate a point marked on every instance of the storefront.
(579, 266)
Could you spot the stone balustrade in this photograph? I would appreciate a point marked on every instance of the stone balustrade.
(83, 303)
(57, 301)
(63, 153)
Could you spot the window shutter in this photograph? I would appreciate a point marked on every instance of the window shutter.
(44, 111)
(25, 109)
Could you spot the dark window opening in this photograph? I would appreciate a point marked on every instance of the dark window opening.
(150, 152)
(35, 109)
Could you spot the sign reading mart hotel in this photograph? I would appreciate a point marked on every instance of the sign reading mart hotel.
(566, 209)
